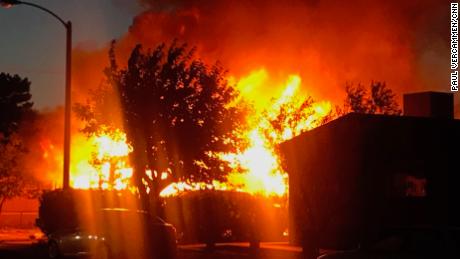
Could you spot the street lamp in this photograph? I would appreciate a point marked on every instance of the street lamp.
(67, 113)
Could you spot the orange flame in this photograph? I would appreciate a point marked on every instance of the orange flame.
(102, 162)
(261, 170)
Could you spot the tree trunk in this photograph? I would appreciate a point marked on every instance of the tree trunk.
(144, 197)
(156, 206)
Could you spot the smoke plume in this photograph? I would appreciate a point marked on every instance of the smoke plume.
(326, 42)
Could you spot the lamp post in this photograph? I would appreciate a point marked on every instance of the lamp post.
(67, 113)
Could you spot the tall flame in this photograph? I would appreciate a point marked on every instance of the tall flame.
(102, 162)
(259, 162)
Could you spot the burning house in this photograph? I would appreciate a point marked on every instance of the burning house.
(360, 173)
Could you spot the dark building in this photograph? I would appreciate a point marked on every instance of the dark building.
(361, 173)
(429, 104)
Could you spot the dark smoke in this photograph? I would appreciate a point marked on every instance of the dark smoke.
(329, 43)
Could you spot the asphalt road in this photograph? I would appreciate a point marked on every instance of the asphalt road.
(30, 250)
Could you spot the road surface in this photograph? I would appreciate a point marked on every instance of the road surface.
(29, 249)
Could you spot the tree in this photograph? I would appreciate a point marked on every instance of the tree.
(380, 99)
(175, 110)
(14, 102)
(11, 180)
(15, 106)
(293, 118)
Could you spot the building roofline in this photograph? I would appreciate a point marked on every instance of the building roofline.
(364, 116)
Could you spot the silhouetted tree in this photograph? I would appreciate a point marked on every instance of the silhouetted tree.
(15, 106)
(175, 110)
(379, 100)
(11, 177)
(295, 116)
(14, 102)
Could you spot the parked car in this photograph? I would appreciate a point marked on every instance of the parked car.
(408, 243)
(116, 233)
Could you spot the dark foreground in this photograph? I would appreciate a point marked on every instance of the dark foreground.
(26, 250)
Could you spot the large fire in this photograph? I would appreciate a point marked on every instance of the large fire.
(305, 37)
(101, 162)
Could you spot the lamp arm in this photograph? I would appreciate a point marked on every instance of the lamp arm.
(45, 10)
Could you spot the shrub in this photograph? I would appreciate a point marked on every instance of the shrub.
(211, 216)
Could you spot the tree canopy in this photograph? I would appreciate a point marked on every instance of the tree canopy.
(378, 100)
(14, 102)
(15, 106)
(11, 177)
(175, 110)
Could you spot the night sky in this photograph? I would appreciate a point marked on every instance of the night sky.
(32, 42)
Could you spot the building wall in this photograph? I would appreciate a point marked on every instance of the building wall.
(347, 174)
(320, 201)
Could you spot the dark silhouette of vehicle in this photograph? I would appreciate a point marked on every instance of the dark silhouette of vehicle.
(407, 243)
(116, 233)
